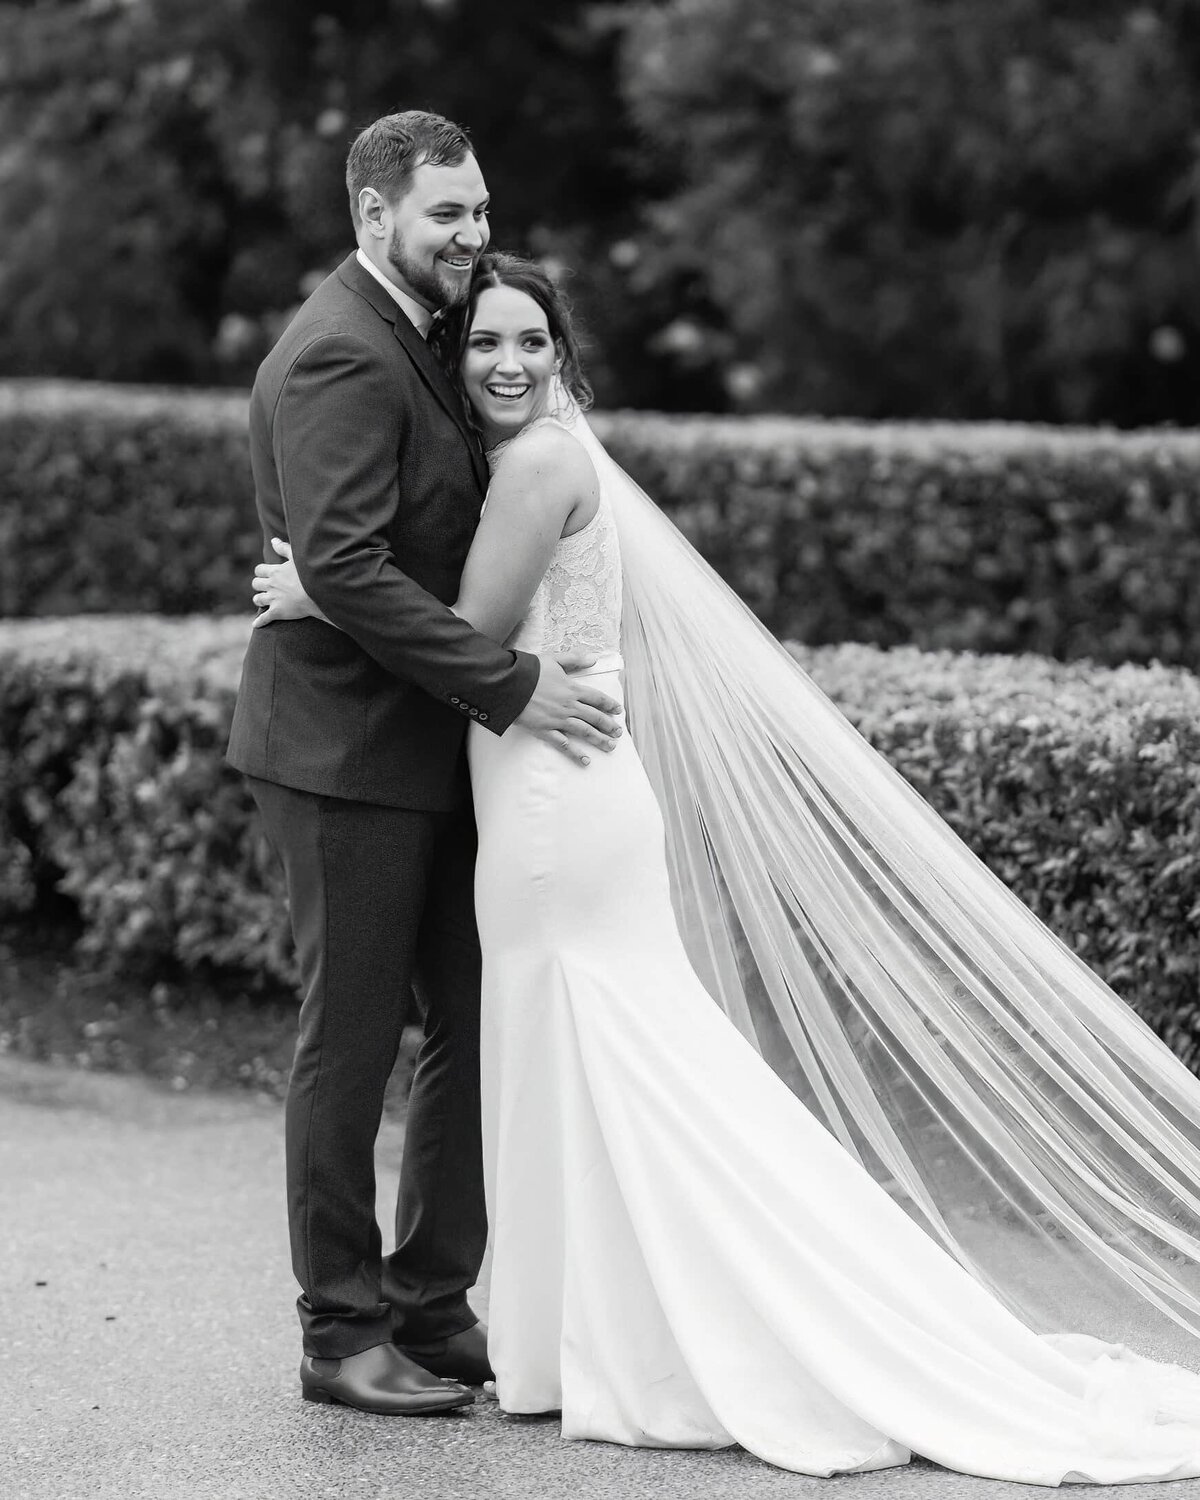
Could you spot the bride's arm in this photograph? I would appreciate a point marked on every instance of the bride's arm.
(544, 486)
(278, 594)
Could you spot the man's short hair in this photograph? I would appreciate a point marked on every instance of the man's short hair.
(385, 155)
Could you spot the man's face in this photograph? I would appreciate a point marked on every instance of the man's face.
(436, 232)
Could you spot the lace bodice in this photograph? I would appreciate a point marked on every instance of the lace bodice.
(577, 605)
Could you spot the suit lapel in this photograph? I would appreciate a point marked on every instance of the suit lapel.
(422, 357)
(442, 386)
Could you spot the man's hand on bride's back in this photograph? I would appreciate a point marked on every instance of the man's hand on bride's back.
(568, 712)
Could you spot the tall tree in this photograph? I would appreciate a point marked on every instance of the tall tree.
(172, 182)
(958, 208)
(111, 193)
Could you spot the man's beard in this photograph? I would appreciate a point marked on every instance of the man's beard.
(424, 279)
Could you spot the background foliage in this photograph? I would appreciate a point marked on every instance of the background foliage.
(937, 208)
(889, 208)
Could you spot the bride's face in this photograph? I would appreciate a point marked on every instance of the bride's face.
(509, 361)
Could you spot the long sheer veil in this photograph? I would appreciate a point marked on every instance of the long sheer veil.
(1014, 1105)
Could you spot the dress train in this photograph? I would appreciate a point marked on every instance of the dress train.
(682, 1255)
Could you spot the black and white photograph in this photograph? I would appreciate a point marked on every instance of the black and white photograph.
(599, 749)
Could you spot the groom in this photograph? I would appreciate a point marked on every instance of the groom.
(353, 742)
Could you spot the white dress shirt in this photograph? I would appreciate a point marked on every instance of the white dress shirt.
(420, 317)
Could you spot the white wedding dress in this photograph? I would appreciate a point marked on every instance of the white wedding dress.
(681, 1254)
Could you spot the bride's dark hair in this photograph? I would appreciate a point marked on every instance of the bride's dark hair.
(450, 331)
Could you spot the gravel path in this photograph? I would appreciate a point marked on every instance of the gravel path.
(151, 1348)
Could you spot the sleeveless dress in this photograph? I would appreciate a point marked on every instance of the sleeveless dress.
(680, 1254)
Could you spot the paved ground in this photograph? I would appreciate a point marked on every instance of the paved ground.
(150, 1354)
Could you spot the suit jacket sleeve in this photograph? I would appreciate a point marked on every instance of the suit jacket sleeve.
(335, 435)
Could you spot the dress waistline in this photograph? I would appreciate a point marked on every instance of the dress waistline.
(607, 661)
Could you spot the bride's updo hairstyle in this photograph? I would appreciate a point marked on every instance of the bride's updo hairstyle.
(451, 329)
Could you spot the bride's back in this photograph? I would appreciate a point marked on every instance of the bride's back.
(577, 604)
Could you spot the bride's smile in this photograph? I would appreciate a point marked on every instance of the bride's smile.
(508, 362)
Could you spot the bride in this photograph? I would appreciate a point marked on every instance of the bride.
(800, 1131)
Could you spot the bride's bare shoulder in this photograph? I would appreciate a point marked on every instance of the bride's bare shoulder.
(545, 449)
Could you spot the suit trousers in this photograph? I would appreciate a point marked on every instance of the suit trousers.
(382, 909)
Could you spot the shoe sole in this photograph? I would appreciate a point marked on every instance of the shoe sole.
(326, 1398)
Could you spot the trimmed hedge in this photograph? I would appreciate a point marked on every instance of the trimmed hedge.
(117, 500)
(114, 794)
(986, 538)
(1079, 786)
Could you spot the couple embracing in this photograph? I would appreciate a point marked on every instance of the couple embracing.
(607, 933)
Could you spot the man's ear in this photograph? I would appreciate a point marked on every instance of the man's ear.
(370, 211)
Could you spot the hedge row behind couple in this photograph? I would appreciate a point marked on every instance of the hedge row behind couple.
(685, 1251)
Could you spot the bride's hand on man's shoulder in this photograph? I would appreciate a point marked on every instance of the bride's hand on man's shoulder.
(277, 591)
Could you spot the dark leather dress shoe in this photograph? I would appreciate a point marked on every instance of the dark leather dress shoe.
(463, 1356)
(379, 1380)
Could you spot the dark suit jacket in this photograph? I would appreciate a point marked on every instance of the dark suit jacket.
(362, 459)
